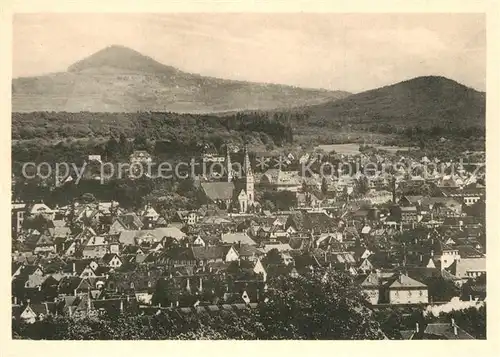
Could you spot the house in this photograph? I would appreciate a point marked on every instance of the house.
(30, 313)
(188, 217)
(42, 244)
(81, 268)
(140, 157)
(405, 290)
(409, 215)
(41, 209)
(259, 269)
(149, 216)
(111, 260)
(366, 266)
(448, 256)
(248, 252)
(18, 211)
(96, 158)
(223, 253)
(393, 288)
(278, 180)
(468, 268)
(94, 247)
(441, 207)
(128, 221)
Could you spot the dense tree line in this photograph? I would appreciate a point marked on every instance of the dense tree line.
(153, 125)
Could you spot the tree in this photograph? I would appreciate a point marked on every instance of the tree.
(140, 142)
(273, 257)
(324, 186)
(167, 292)
(362, 185)
(112, 149)
(88, 198)
(317, 305)
(441, 289)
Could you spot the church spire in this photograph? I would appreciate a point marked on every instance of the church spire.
(246, 163)
(249, 179)
(228, 165)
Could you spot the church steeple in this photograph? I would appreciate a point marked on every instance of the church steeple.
(229, 167)
(246, 163)
(249, 179)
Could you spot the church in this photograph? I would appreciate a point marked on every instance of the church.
(236, 191)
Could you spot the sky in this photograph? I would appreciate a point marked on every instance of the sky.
(352, 52)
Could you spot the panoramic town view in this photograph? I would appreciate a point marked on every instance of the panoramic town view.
(248, 177)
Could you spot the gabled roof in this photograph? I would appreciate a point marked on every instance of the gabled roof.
(218, 190)
(404, 281)
(460, 267)
(239, 237)
(377, 279)
(283, 247)
(130, 221)
(446, 331)
(210, 253)
(247, 250)
(108, 257)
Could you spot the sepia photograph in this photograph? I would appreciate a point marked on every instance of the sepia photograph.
(248, 176)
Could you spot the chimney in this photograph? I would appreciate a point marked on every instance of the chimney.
(188, 286)
(455, 330)
(417, 329)
(74, 267)
(201, 284)
(432, 253)
(177, 303)
(121, 305)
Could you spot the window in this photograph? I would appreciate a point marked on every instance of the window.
(421, 293)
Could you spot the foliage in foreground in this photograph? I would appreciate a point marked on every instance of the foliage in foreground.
(314, 306)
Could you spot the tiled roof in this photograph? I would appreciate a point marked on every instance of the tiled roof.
(218, 190)
(404, 281)
(234, 238)
(462, 266)
(210, 253)
(446, 331)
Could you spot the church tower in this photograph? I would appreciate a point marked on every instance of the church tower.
(229, 167)
(249, 179)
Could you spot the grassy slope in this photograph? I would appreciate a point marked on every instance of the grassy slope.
(118, 79)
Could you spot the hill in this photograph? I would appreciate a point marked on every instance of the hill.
(118, 79)
(423, 101)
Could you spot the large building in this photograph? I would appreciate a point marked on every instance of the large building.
(238, 189)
